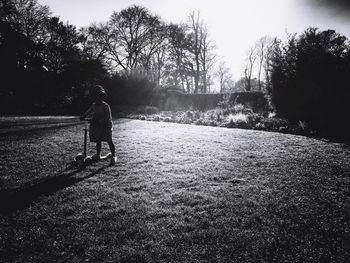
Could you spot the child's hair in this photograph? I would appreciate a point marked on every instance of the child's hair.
(99, 92)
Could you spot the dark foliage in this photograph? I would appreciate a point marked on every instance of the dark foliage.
(310, 80)
(42, 67)
(129, 90)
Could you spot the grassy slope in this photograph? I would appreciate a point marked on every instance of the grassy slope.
(179, 193)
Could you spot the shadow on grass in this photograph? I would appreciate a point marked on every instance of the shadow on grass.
(22, 198)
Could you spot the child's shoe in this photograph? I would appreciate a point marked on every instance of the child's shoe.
(113, 160)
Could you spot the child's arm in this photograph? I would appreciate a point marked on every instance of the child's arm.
(88, 112)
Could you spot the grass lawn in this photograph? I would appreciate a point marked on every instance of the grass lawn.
(179, 193)
(10, 124)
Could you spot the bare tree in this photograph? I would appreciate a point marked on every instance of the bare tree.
(30, 18)
(224, 76)
(177, 66)
(158, 63)
(133, 37)
(240, 85)
(230, 85)
(263, 46)
(207, 58)
(155, 48)
(201, 56)
(195, 48)
(248, 71)
(94, 41)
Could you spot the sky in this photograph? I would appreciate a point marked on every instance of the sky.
(234, 25)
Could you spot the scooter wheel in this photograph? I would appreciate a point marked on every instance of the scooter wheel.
(79, 157)
(87, 160)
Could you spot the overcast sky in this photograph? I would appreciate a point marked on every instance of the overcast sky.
(234, 25)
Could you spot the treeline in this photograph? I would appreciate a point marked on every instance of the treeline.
(310, 80)
(48, 65)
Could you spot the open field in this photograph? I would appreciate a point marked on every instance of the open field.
(179, 193)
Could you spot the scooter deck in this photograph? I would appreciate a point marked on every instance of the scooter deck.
(105, 157)
(88, 160)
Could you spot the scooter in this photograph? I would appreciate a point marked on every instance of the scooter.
(82, 159)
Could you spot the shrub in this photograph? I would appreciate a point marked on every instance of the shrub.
(225, 102)
(302, 128)
(271, 114)
(273, 124)
(239, 108)
(183, 118)
(260, 126)
(283, 129)
(189, 114)
(213, 123)
(255, 100)
(197, 114)
(199, 122)
(147, 110)
(156, 118)
(214, 114)
(151, 110)
(239, 120)
(239, 117)
(254, 118)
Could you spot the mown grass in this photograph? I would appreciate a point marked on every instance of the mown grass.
(179, 193)
(10, 124)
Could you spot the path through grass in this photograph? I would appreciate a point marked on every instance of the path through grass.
(179, 193)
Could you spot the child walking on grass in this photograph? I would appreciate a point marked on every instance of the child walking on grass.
(101, 123)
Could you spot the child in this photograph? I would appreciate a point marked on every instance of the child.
(101, 123)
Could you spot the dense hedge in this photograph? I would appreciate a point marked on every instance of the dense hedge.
(310, 81)
(171, 100)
